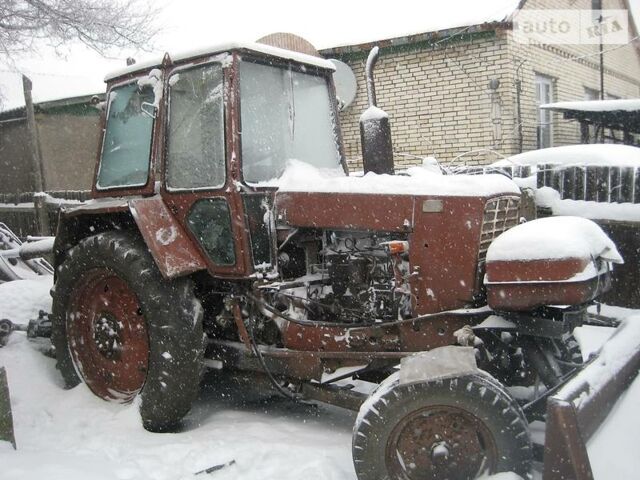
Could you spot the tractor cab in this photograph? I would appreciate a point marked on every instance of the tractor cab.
(205, 135)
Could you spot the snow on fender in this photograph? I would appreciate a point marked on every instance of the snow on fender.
(526, 265)
(554, 238)
(448, 361)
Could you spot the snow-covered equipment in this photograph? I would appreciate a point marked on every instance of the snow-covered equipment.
(21, 261)
(552, 261)
(222, 209)
(37, 327)
(579, 407)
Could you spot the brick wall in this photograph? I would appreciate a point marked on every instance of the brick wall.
(572, 68)
(437, 99)
(439, 102)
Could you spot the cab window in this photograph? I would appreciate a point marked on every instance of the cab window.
(195, 132)
(127, 141)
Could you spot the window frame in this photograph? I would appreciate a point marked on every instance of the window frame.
(218, 59)
(196, 235)
(546, 80)
(591, 93)
(154, 127)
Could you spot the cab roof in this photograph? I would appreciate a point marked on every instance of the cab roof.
(259, 48)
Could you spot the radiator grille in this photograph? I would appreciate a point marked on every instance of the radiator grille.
(500, 214)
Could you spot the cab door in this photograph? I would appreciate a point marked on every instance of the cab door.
(199, 165)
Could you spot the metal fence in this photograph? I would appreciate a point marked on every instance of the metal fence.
(607, 184)
(37, 213)
(592, 183)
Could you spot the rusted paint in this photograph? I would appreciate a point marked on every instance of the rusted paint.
(172, 250)
(444, 246)
(528, 296)
(180, 202)
(579, 408)
(430, 333)
(242, 329)
(565, 453)
(444, 255)
(108, 332)
(544, 270)
(340, 339)
(346, 211)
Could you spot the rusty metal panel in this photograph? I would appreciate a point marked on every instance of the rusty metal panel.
(444, 254)
(530, 295)
(565, 452)
(167, 241)
(346, 211)
(444, 242)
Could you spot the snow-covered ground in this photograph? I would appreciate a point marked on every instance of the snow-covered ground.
(70, 434)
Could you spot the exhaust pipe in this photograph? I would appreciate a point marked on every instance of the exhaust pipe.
(375, 130)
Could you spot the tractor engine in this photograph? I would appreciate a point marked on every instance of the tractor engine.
(355, 277)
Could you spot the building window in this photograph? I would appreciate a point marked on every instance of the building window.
(591, 94)
(544, 94)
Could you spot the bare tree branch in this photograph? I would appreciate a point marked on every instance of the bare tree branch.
(102, 25)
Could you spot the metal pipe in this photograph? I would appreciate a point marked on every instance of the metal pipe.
(372, 59)
(30, 250)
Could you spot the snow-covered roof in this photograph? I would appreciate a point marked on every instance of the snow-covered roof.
(226, 47)
(617, 105)
(592, 154)
(45, 105)
(439, 17)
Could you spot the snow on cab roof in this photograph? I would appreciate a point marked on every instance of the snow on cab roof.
(615, 105)
(226, 47)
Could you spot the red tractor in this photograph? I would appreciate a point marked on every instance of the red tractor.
(225, 229)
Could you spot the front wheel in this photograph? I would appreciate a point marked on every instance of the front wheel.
(454, 428)
(124, 330)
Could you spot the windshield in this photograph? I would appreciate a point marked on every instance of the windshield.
(285, 115)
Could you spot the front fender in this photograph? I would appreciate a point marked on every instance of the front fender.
(169, 244)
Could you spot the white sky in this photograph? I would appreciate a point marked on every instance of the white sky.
(187, 24)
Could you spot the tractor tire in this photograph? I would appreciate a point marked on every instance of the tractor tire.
(124, 330)
(452, 428)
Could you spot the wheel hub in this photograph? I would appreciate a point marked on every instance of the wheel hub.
(107, 334)
(440, 442)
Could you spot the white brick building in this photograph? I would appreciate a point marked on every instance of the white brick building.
(435, 87)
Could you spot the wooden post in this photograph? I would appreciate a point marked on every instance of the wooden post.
(42, 216)
(6, 418)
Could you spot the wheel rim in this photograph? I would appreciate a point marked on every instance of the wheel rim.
(107, 336)
(440, 442)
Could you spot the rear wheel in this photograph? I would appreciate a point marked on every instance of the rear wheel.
(454, 428)
(124, 330)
